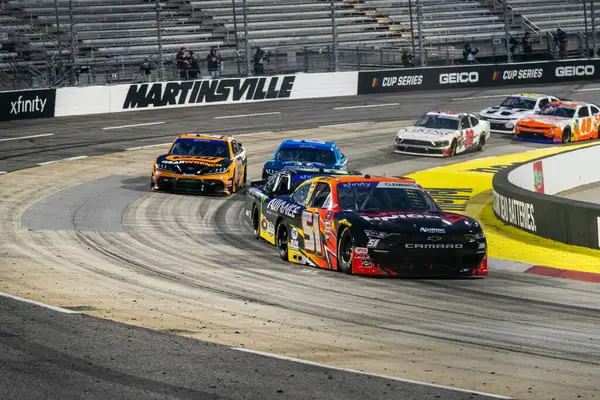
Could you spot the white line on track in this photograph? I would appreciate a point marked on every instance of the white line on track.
(26, 137)
(587, 89)
(481, 97)
(262, 353)
(37, 303)
(149, 146)
(63, 160)
(343, 125)
(367, 106)
(108, 128)
(248, 115)
(253, 133)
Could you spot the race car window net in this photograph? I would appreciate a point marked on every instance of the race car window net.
(595, 110)
(301, 193)
(518, 102)
(583, 112)
(195, 147)
(557, 111)
(325, 156)
(437, 122)
(380, 199)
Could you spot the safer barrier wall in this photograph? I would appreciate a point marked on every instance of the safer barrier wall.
(144, 96)
(523, 197)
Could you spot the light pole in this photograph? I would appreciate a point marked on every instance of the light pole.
(237, 45)
(412, 29)
(587, 36)
(246, 38)
(506, 35)
(421, 56)
(334, 34)
(593, 28)
(159, 34)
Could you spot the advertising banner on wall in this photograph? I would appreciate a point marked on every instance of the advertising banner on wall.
(467, 76)
(27, 104)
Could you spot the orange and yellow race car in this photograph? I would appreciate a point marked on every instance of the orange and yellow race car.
(560, 122)
(367, 225)
(201, 164)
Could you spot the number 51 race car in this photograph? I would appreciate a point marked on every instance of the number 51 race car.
(443, 134)
(368, 225)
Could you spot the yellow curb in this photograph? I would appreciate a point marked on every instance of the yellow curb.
(466, 188)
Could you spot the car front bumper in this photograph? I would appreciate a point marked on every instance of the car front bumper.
(202, 184)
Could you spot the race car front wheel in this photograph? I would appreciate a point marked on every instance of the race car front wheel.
(566, 135)
(453, 148)
(255, 223)
(282, 241)
(344, 252)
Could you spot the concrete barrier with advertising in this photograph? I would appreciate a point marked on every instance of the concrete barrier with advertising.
(524, 197)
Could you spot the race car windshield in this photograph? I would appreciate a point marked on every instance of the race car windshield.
(437, 122)
(558, 111)
(383, 197)
(518, 102)
(325, 156)
(200, 148)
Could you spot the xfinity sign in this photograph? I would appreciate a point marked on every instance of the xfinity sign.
(24, 106)
(459, 77)
(27, 104)
(575, 70)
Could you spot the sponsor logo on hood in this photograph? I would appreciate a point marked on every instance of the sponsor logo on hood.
(428, 131)
(389, 217)
(208, 161)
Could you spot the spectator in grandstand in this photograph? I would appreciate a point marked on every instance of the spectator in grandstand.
(469, 54)
(180, 60)
(407, 59)
(214, 63)
(561, 40)
(259, 62)
(146, 68)
(194, 67)
(527, 47)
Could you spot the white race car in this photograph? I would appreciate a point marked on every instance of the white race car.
(503, 118)
(443, 134)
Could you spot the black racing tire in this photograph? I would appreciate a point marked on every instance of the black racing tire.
(281, 240)
(151, 183)
(566, 135)
(344, 251)
(244, 179)
(453, 147)
(481, 143)
(256, 222)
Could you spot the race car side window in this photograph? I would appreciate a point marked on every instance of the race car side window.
(595, 110)
(464, 123)
(320, 195)
(283, 185)
(301, 193)
(583, 112)
(474, 121)
(543, 103)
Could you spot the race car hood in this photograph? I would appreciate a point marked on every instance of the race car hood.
(169, 159)
(505, 112)
(542, 120)
(415, 132)
(420, 223)
(278, 165)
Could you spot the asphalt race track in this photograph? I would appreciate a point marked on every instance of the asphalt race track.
(87, 235)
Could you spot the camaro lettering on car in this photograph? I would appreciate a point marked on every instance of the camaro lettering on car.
(459, 77)
(575, 70)
(290, 210)
(433, 246)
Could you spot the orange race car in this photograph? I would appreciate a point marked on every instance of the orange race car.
(201, 163)
(366, 225)
(560, 122)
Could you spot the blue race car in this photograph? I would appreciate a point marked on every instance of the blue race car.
(307, 154)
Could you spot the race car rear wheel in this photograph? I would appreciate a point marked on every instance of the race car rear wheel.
(566, 135)
(282, 240)
(344, 251)
(481, 143)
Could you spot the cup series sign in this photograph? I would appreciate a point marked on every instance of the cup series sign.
(538, 176)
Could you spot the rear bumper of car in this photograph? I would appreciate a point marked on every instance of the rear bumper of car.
(455, 263)
(204, 184)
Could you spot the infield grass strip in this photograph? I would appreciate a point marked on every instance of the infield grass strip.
(466, 187)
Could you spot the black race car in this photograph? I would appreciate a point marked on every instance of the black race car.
(366, 225)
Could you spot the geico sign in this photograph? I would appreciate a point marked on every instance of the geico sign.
(576, 70)
(459, 77)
